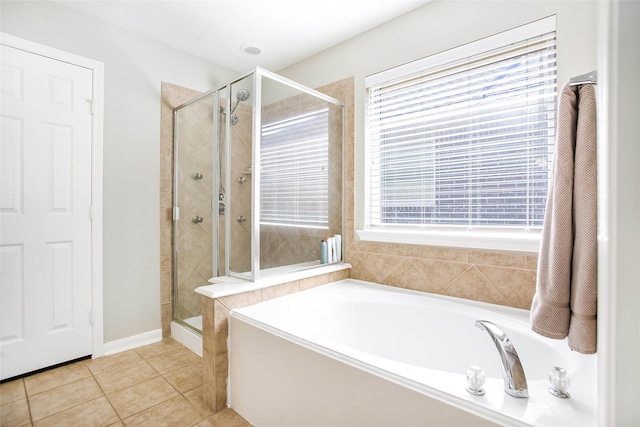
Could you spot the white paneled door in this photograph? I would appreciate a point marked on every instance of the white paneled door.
(45, 212)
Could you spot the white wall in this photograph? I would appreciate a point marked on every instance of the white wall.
(439, 26)
(134, 68)
(619, 197)
(442, 25)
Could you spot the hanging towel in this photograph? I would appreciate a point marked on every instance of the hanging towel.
(565, 302)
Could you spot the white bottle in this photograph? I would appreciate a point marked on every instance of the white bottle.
(331, 249)
(338, 239)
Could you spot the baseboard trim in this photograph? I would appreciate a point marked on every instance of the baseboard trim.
(134, 341)
(186, 337)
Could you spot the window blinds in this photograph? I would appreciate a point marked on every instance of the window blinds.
(466, 143)
(294, 170)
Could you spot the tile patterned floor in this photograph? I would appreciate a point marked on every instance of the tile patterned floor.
(156, 385)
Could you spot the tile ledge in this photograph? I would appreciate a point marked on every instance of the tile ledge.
(231, 286)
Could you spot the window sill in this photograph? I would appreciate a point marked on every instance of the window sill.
(487, 240)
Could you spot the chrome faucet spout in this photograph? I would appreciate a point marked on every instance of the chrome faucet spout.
(515, 382)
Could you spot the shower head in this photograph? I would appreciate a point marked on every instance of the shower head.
(242, 95)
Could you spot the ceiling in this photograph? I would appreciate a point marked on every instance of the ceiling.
(286, 31)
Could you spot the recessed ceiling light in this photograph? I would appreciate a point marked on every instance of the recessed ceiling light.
(251, 49)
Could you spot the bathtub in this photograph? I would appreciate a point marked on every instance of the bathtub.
(354, 353)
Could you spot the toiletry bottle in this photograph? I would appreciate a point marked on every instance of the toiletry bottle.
(338, 238)
(323, 252)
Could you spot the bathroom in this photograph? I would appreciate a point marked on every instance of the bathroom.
(136, 294)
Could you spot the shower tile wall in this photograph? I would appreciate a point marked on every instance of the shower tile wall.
(194, 253)
(171, 97)
(241, 157)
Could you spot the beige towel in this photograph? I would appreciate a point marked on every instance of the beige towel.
(565, 303)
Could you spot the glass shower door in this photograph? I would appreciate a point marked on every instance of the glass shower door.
(194, 187)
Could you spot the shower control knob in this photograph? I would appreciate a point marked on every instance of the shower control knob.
(560, 382)
(196, 176)
(197, 219)
(475, 380)
(242, 218)
(242, 180)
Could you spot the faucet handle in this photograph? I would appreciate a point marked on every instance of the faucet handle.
(559, 382)
(475, 380)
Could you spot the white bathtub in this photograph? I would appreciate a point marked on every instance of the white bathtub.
(354, 353)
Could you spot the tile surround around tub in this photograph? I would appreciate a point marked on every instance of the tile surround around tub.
(504, 278)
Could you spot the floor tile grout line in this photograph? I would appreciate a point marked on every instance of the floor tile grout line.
(57, 387)
(104, 394)
(174, 369)
(133, 385)
(28, 401)
(119, 366)
(160, 403)
(179, 367)
(71, 407)
(165, 401)
(53, 388)
(145, 409)
(74, 406)
(159, 344)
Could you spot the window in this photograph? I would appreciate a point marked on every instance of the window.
(461, 142)
(294, 171)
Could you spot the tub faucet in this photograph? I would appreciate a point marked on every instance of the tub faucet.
(515, 382)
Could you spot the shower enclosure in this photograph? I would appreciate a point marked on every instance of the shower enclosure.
(257, 184)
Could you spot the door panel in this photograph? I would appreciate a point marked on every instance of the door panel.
(45, 200)
(11, 293)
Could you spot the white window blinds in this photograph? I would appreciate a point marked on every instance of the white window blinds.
(294, 170)
(464, 139)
